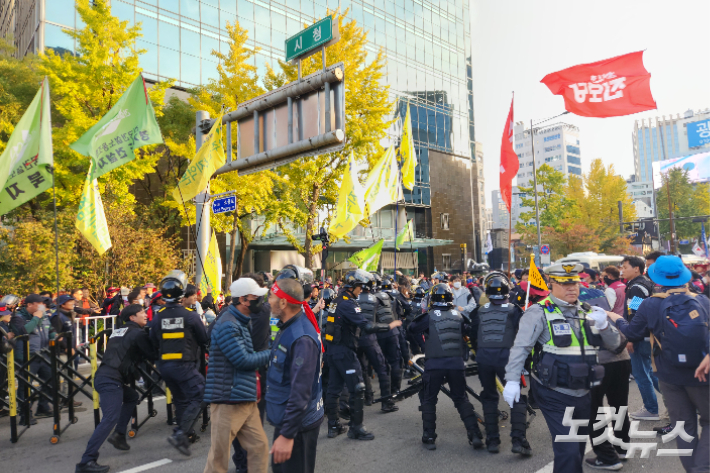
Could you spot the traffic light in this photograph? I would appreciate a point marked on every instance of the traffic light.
(322, 236)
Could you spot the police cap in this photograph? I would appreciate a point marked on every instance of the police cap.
(565, 273)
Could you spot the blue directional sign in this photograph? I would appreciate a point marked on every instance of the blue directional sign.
(225, 204)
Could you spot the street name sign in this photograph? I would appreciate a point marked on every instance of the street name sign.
(311, 38)
(225, 204)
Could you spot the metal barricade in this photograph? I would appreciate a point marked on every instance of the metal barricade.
(88, 327)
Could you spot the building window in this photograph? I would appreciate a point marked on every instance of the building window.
(444, 221)
(573, 149)
(446, 261)
(573, 159)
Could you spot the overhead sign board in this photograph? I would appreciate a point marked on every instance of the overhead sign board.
(313, 37)
(698, 133)
(225, 204)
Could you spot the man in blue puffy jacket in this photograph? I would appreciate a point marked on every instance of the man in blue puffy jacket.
(232, 385)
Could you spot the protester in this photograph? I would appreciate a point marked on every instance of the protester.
(677, 321)
(463, 298)
(40, 330)
(652, 257)
(615, 291)
(639, 288)
(294, 392)
(231, 387)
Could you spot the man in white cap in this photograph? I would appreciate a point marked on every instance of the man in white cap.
(232, 385)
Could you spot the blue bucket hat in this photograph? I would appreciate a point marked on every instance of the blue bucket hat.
(669, 271)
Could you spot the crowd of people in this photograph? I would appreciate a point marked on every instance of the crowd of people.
(296, 353)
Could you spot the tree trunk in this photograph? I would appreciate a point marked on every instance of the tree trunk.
(242, 255)
(235, 230)
(312, 211)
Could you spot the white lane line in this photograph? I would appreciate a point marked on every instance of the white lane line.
(148, 466)
(549, 467)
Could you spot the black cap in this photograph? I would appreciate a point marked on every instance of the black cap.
(132, 309)
(64, 298)
(37, 298)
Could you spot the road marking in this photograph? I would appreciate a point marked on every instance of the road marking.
(148, 466)
(549, 467)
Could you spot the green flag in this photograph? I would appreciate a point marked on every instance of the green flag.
(91, 219)
(26, 163)
(129, 124)
(407, 234)
(369, 258)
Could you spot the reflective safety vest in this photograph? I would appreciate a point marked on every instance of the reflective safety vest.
(565, 360)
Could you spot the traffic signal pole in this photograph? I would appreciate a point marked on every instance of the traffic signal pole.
(202, 205)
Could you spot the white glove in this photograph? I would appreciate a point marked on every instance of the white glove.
(598, 315)
(511, 393)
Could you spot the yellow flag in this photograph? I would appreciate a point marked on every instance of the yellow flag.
(91, 219)
(407, 153)
(208, 159)
(383, 186)
(535, 278)
(211, 276)
(350, 208)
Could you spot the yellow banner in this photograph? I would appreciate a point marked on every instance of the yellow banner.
(535, 278)
(383, 186)
(407, 153)
(91, 219)
(350, 208)
(211, 276)
(208, 159)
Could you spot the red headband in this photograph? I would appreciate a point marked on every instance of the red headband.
(278, 292)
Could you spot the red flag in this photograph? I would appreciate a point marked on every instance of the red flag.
(509, 164)
(609, 88)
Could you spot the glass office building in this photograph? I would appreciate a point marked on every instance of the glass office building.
(427, 46)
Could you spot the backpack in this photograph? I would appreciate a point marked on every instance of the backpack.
(684, 332)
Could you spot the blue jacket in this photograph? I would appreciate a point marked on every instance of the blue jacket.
(231, 376)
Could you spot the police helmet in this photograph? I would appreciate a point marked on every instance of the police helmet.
(267, 276)
(172, 287)
(10, 301)
(441, 296)
(497, 288)
(357, 278)
(291, 271)
(386, 284)
(495, 274)
(441, 276)
(419, 294)
(328, 295)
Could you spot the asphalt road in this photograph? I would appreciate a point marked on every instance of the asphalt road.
(396, 449)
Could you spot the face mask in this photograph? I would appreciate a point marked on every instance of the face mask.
(608, 281)
(140, 301)
(457, 284)
(255, 305)
(42, 308)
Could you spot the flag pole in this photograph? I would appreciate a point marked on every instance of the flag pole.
(510, 238)
(527, 292)
(56, 228)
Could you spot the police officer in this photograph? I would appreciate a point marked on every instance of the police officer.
(180, 335)
(126, 348)
(344, 322)
(387, 310)
(564, 334)
(402, 310)
(375, 309)
(495, 325)
(416, 343)
(446, 351)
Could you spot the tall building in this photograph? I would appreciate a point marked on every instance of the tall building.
(428, 50)
(499, 212)
(556, 145)
(640, 191)
(661, 138)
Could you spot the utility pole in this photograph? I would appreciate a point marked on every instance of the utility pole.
(202, 206)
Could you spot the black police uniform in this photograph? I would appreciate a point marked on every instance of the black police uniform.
(445, 350)
(180, 335)
(126, 348)
(369, 350)
(343, 324)
(495, 325)
(390, 341)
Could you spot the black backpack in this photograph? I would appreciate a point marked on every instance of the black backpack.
(684, 332)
